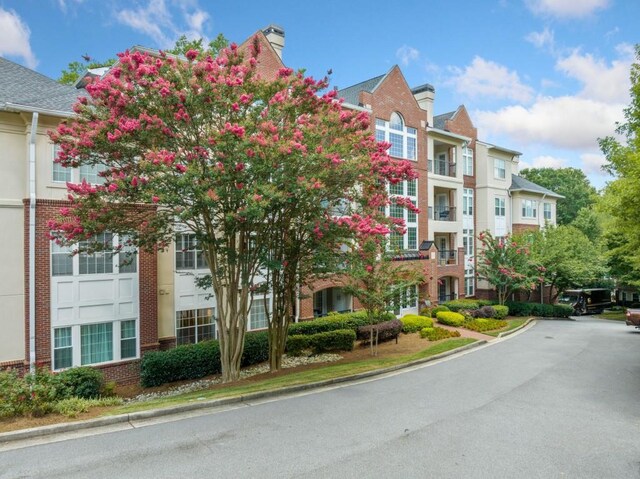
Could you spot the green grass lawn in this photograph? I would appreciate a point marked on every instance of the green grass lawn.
(612, 315)
(304, 377)
(513, 324)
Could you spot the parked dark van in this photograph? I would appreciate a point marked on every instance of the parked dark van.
(584, 301)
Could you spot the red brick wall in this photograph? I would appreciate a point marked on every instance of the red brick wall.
(268, 60)
(518, 228)
(126, 371)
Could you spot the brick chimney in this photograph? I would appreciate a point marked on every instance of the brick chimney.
(275, 35)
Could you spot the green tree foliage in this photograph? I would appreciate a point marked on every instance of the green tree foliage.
(571, 183)
(621, 198)
(213, 48)
(379, 282)
(254, 167)
(590, 223)
(506, 264)
(72, 73)
(565, 258)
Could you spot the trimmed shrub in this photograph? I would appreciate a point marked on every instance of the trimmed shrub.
(450, 318)
(482, 324)
(191, 361)
(486, 312)
(336, 321)
(425, 312)
(34, 394)
(297, 344)
(435, 334)
(256, 348)
(338, 340)
(518, 308)
(459, 304)
(501, 311)
(82, 382)
(412, 323)
(437, 309)
(485, 302)
(386, 331)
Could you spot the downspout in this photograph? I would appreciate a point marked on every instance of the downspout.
(32, 243)
(542, 282)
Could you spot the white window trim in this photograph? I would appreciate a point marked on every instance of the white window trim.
(467, 161)
(406, 133)
(529, 209)
(499, 172)
(408, 224)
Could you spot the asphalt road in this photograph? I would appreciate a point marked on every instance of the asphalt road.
(559, 400)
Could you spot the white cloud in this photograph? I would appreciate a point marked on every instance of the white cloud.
(63, 4)
(407, 54)
(543, 39)
(484, 78)
(592, 163)
(566, 8)
(152, 20)
(562, 122)
(163, 25)
(14, 38)
(544, 161)
(603, 82)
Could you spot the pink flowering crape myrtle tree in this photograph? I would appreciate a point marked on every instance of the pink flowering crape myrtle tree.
(506, 265)
(253, 167)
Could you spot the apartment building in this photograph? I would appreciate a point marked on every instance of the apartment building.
(59, 311)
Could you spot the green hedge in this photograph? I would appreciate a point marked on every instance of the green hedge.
(458, 304)
(450, 318)
(191, 361)
(384, 331)
(482, 324)
(435, 334)
(336, 321)
(518, 308)
(412, 323)
(256, 348)
(83, 382)
(338, 340)
(501, 311)
(298, 343)
(438, 309)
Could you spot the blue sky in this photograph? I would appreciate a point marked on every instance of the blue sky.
(544, 77)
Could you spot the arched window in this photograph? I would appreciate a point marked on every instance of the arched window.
(403, 138)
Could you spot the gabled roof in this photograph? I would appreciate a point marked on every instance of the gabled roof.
(27, 88)
(518, 183)
(440, 120)
(352, 94)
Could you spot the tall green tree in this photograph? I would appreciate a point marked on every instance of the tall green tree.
(505, 263)
(71, 74)
(621, 198)
(565, 257)
(242, 161)
(571, 183)
(591, 223)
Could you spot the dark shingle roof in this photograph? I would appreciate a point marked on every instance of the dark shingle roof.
(518, 183)
(439, 120)
(26, 87)
(351, 94)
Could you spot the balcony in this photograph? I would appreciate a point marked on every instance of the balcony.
(447, 257)
(442, 168)
(442, 213)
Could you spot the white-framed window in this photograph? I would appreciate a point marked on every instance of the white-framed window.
(467, 161)
(467, 202)
(500, 206)
(467, 242)
(88, 173)
(258, 314)
(547, 211)
(409, 240)
(403, 138)
(95, 343)
(499, 169)
(406, 299)
(62, 348)
(529, 208)
(195, 325)
(188, 252)
(469, 285)
(64, 263)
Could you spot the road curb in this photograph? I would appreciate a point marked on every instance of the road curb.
(522, 326)
(193, 406)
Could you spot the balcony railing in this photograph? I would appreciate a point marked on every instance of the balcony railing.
(447, 257)
(447, 297)
(443, 168)
(442, 213)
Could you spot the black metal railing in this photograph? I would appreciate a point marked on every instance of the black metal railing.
(442, 213)
(442, 168)
(447, 257)
(446, 297)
